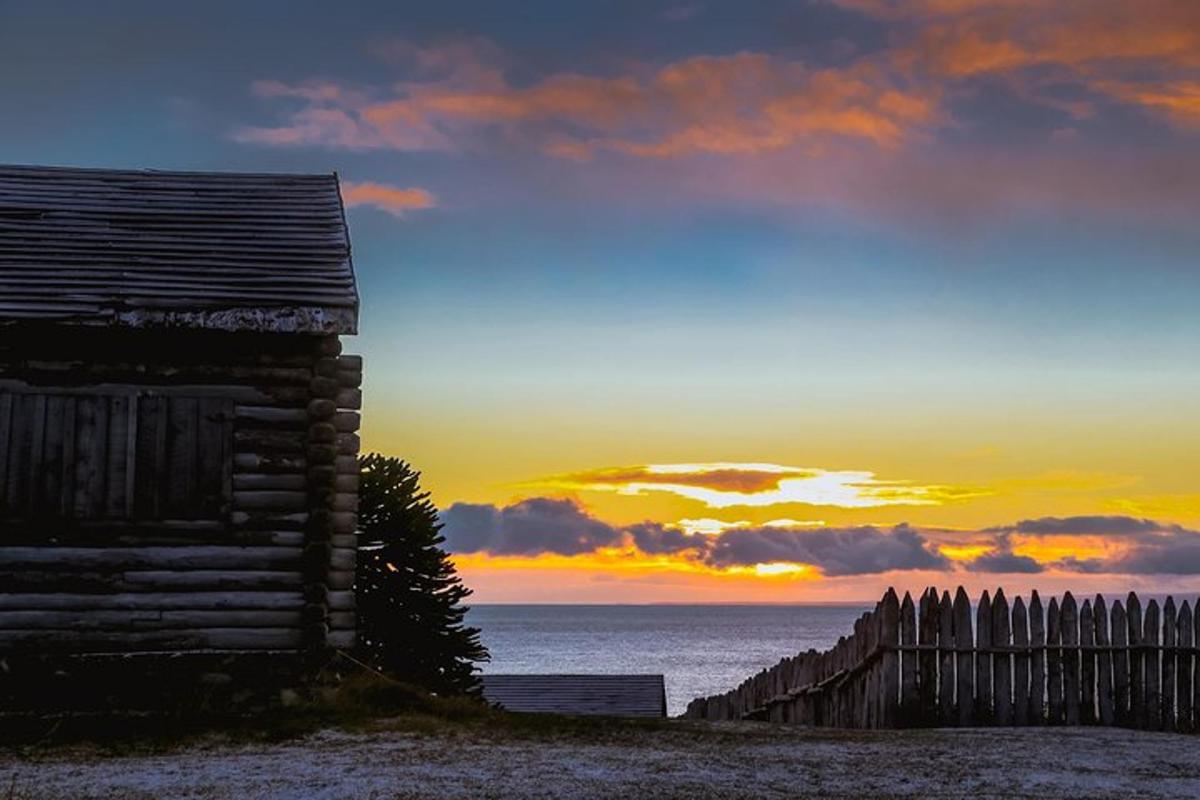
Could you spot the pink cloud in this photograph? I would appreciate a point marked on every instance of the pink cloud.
(1130, 53)
(392, 199)
(458, 96)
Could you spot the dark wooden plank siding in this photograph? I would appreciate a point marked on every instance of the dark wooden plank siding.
(68, 456)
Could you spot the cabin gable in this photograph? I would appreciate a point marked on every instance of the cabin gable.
(178, 426)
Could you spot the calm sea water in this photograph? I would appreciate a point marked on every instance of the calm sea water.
(701, 649)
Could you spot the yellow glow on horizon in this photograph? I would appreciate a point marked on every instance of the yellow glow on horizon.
(607, 560)
(617, 560)
(1061, 467)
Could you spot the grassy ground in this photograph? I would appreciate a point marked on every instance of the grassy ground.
(361, 705)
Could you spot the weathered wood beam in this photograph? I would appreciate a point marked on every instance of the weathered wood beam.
(152, 601)
(82, 559)
(148, 580)
(133, 620)
(47, 641)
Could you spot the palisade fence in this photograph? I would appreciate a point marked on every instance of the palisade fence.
(925, 664)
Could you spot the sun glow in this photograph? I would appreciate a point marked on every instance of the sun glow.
(964, 552)
(784, 568)
(714, 527)
(724, 484)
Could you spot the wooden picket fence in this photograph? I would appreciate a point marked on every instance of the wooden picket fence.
(924, 664)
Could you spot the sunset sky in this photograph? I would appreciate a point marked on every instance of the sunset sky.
(716, 301)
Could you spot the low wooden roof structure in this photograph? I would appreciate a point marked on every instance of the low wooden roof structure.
(607, 695)
(147, 248)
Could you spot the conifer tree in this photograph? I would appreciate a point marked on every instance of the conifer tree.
(409, 598)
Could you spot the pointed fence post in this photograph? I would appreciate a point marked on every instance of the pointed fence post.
(862, 676)
(1054, 665)
(891, 659)
(1104, 662)
(868, 693)
(870, 675)
(946, 661)
(1137, 671)
(1087, 664)
(832, 700)
(875, 671)
(1037, 661)
(983, 660)
(964, 643)
(1168, 664)
(909, 709)
(876, 685)
(1020, 626)
(928, 656)
(1002, 661)
(853, 655)
(798, 714)
(1196, 666)
(1070, 640)
(1183, 664)
(1153, 697)
(850, 682)
(1120, 662)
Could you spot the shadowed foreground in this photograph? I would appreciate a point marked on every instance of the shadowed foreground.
(676, 759)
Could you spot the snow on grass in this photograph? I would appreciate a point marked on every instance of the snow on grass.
(680, 760)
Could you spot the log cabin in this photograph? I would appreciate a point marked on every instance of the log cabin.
(178, 432)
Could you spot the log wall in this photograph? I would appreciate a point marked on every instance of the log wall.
(923, 663)
(271, 570)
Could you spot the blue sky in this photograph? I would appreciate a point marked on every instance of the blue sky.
(849, 233)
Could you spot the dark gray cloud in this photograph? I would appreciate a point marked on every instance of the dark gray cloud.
(835, 551)
(1004, 561)
(1085, 526)
(544, 525)
(1174, 553)
(530, 527)
(1088, 566)
(1155, 548)
(656, 539)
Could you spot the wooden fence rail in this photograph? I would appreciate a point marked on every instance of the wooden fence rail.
(924, 663)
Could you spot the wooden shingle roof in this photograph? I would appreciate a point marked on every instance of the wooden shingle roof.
(223, 251)
(609, 695)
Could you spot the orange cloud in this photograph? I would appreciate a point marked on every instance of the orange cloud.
(392, 199)
(744, 103)
(1129, 52)
(1178, 100)
(751, 103)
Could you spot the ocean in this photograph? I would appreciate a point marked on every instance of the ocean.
(701, 649)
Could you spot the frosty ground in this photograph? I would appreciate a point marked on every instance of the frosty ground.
(668, 760)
